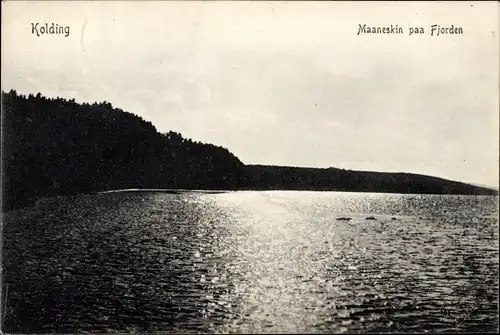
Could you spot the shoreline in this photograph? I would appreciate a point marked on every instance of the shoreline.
(42, 199)
(163, 190)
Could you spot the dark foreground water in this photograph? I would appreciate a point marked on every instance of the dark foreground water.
(252, 262)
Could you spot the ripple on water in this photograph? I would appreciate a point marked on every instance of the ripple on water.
(253, 262)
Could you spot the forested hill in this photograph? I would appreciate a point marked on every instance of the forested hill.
(293, 178)
(60, 147)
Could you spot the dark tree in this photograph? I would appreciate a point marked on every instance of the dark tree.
(58, 147)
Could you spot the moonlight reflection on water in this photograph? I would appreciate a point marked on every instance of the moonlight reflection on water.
(253, 262)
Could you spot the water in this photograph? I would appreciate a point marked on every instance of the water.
(252, 262)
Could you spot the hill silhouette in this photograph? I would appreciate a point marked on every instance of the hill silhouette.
(59, 147)
(294, 178)
(55, 146)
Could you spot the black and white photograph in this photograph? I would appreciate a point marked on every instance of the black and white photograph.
(249, 167)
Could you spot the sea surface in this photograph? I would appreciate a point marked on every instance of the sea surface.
(266, 262)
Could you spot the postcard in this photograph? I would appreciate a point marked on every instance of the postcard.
(249, 166)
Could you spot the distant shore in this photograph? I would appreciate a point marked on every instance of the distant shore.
(164, 190)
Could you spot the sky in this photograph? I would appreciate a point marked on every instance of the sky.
(283, 83)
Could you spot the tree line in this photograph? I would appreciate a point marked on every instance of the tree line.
(54, 146)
